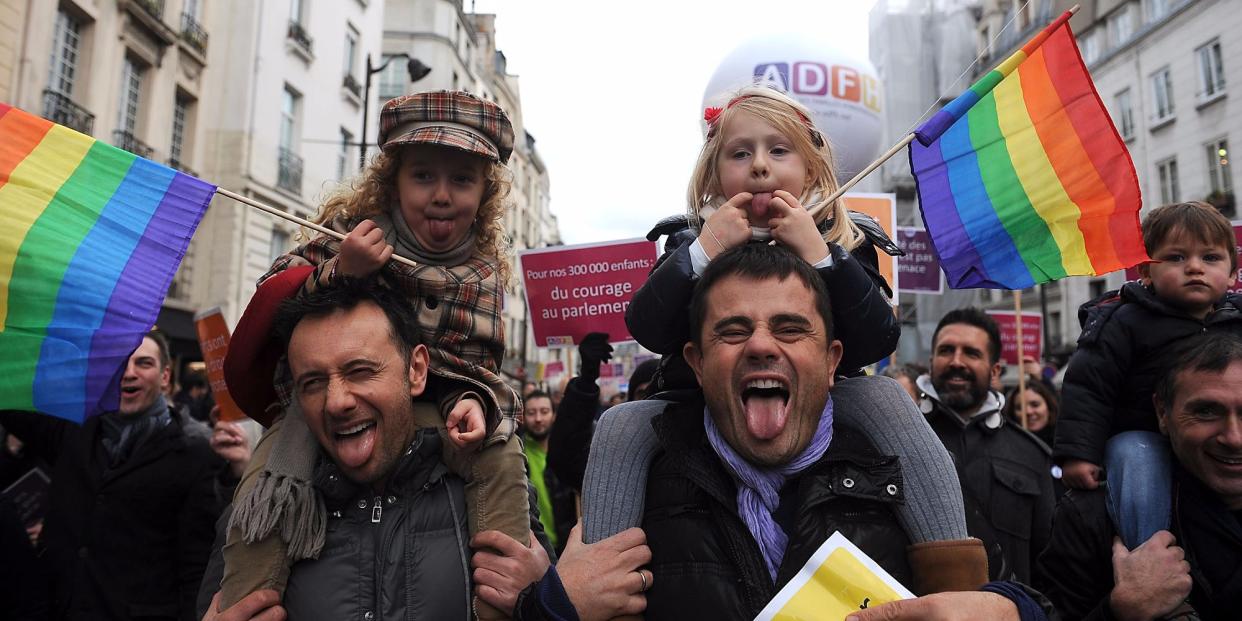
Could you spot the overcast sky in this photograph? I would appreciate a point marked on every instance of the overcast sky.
(612, 92)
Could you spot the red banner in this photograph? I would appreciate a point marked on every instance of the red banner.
(574, 290)
(213, 340)
(1032, 335)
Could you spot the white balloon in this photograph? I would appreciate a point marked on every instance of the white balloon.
(841, 90)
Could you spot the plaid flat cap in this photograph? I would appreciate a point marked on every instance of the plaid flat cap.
(453, 119)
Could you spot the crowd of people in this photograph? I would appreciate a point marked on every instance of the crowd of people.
(399, 475)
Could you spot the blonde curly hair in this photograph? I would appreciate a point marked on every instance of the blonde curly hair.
(375, 192)
(791, 119)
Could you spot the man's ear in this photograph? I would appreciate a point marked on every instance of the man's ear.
(694, 357)
(1161, 413)
(420, 360)
(997, 369)
(835, 351)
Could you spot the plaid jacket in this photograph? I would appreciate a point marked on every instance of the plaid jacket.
(458, 310)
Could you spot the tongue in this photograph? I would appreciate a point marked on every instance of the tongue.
(759, 204)
(440, 230)
(765, 416)
(354, 451)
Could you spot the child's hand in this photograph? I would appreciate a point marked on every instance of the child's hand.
(465, 423)
(728, 227)
(363, 251)
(792, 225)
(1080, 474)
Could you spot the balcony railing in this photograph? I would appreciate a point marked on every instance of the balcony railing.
(177, 164)
(58, 108)
(297, 34)
(289, 175)
(193, 33)
(127, 141)
(351, 84)
(154, 7)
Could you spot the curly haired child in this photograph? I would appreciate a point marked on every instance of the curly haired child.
(434, 194)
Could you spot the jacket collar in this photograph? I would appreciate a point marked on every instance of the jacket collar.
(419, 465)
(1227, 308)
(989, 415)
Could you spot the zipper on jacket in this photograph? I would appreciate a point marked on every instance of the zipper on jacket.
(377, 511)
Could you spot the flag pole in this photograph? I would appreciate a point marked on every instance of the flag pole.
(299, 221)
(866, 171)
(1017, 310)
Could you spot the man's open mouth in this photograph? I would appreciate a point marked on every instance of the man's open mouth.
(1234, 461)
(766, 404)
(130, 391)
(355, 430)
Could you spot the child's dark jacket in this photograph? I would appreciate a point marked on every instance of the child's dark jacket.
(659, 320)
(1125, 343)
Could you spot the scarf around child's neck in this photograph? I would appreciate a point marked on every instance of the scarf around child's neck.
(758, 487)
(398, 234)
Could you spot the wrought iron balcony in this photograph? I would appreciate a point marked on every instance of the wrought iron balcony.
(351, 84)
(289, 175)
(177, 164)
(297, 34)
(59, 108)
(127, 141)
(193, 33)
(154, 7)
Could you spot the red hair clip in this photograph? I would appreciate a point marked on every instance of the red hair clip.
(711, 114)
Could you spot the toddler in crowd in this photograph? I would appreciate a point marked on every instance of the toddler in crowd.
(1108, 423)
(765, 175)
(434, 194)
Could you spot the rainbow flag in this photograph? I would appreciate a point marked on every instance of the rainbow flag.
(90, 237)
(1023, 179)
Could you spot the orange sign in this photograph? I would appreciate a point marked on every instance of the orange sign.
(213, 339)
(882, 207)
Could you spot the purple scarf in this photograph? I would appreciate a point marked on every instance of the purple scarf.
(758, 488)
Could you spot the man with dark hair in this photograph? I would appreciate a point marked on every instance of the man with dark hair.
(1086, 570)
(1004, 470)
(752, 474)
(396, 542)
(133, 500)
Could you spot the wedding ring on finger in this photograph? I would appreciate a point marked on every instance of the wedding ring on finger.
(642, 576)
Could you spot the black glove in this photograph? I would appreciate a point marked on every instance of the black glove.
(593, 350)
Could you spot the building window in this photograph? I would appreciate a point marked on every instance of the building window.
(1089, 45)
(64, 65)
(342, 155)
(1156, 9)
(181, 114)
(1054, 330)
(1096, 288)
(1120, 27)
(289, 171)
(1162, 94)
(288, 117)
(1169, 190)
(1125, 114)
(191, 8)
(1211, 70)
(392, 78)
(297, 10)
(1220, 180)
(351, 50)
(276, 248)
(131, 91)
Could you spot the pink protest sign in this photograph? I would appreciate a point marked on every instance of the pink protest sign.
(1032, 335)
(574, 290)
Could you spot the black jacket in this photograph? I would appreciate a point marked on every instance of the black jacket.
(658, 315)
(708, 564)
(1076, 571)
(130, 543)
(570, 443)
(1121, 353)
(1006, 480)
